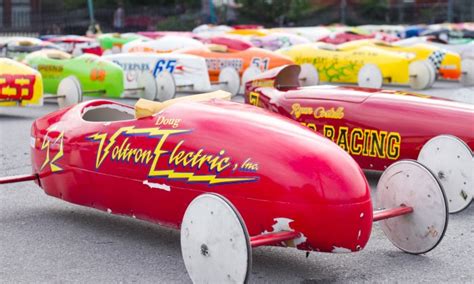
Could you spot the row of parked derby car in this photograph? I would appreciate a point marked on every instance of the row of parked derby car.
(118, 65)
(283, 169)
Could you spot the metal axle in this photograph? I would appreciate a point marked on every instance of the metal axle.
(19, 178)
(391, 213)
(272, 238)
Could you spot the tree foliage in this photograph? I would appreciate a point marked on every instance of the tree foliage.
(272, 11)
(74, 4)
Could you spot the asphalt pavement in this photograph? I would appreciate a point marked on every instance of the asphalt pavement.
(43, 239)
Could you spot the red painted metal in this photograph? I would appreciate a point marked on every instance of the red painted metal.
(233, 43)
(276, 173)
(19, 178)
(160, 34)
(377, 127)
(391, 213)
(273, 238)
(71, 42)
(350, 36)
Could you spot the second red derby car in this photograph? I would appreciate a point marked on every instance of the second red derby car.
(379, 127)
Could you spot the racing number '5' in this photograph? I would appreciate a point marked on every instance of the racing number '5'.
(162, 65)
(261, 63)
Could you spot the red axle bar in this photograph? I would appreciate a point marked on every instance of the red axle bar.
(390, 213)
(20, 178)
(272, 238)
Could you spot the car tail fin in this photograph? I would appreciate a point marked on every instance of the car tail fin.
(281, 78)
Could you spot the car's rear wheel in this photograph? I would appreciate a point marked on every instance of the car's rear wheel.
(370, 76)
(467, 69)
(309, 75)
(421, 74)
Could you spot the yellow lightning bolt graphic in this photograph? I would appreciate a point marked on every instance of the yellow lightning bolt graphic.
(128, 130)
(98, 136)
(60, 153)
(211, 179)
(46, 145)
(103, 152)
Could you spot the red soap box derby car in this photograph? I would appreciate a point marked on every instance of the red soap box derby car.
(77, 45)
(183, 164)
(379, 127)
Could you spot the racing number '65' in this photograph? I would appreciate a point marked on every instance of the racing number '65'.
(162, 65)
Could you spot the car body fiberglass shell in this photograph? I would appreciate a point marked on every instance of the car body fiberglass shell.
(278, 174)
(377, 127)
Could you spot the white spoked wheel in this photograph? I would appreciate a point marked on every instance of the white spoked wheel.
(215, 243)
(249, 74)
(165, 86)
(69, 92)
(420, 74)
(370, 76)
(467, 72)
(409, 183)
(309, 75)
(160, 88)
(433, 74)
(229, 80)
(451, 161)
(116, 49)
(146, 82)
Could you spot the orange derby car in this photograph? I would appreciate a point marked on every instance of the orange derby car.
(247, 63)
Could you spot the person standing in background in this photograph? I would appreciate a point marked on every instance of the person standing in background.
(226, 11)
(231, 12)
(119, 18)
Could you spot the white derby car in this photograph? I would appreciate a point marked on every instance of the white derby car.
(311, 33)
(161, 45)
(172, 72)
(211, 30)
(466, 50)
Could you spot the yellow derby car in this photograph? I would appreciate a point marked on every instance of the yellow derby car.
(365, 65)
(248, 32)
(447, 63)
(20, 85)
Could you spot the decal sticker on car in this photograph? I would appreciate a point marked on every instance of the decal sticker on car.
(216, 64)
(363, 142)
(97, 74)
(49, 69)
(119, 147)
(164, 65)
(320, 112)
(254, 98)
(46, 146)
(127, 66)
(260, 63)
(17, 86)
(165, 121)
(333, 69)
(263, 83)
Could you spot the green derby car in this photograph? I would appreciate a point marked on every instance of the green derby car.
(97, 77)
(113, 42)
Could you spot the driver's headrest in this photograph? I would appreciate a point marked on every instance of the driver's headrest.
(217, 47)
(57, 54)
(25, 43)
(144, 108)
